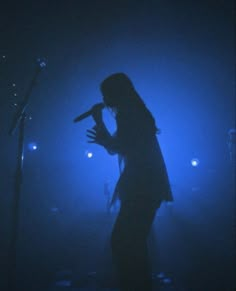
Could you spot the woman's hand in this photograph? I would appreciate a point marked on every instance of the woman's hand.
(98, 135)
(97, 113)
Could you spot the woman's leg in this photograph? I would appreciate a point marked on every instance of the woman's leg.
(129, 245)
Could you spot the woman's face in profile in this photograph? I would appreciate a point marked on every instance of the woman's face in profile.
(110, 99)
(117, 97)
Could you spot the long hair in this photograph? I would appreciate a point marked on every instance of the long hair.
(119, 94)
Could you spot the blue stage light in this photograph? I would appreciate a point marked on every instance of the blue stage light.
(167, 281)
(89, 154)
(194, 162)
(32, 146)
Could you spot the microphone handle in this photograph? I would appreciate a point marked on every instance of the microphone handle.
(97, 106)
(83, 116)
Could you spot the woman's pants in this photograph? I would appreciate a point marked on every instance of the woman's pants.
(129, 245)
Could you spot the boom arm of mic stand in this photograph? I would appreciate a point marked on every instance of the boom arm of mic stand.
(17, 117)
(21, 110)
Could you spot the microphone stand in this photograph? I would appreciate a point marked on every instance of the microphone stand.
(18, 121)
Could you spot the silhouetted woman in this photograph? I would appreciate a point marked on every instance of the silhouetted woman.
(143, 183)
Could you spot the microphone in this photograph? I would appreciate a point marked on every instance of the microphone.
(98, 106)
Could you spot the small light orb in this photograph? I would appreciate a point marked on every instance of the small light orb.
(161, 275)
(54, 210)
(167, 281)
(32, 146)
(90, 155)
(194, 162)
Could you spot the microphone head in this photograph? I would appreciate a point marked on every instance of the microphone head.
(100, 106)
(41, 62)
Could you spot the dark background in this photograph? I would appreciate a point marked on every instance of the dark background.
(180, 57)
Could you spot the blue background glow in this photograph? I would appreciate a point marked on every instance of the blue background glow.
(180, 56)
